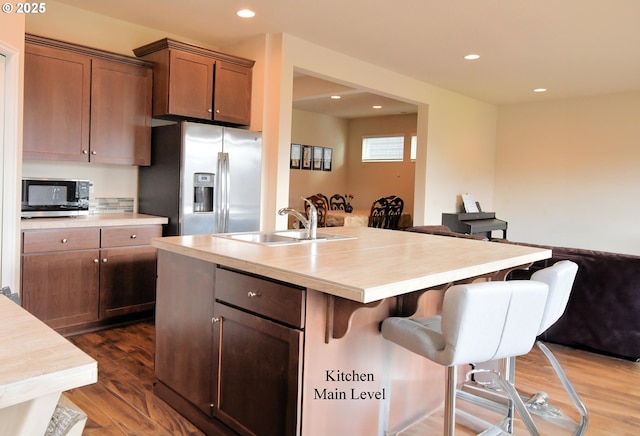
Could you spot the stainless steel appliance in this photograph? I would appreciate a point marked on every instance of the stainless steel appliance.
(43, 197)
(204, 178)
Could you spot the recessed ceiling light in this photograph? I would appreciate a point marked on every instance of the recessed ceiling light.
(377, 106)
(472, 57)
(336, 97)
(246, 13)
(540, 90)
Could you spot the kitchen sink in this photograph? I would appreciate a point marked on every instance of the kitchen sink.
(284, 237)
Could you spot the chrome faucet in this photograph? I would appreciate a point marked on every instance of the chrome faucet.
(310, 224)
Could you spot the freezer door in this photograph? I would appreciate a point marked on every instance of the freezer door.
(244, 153)
(201, 144)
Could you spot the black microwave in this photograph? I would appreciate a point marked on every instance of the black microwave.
(54, 197)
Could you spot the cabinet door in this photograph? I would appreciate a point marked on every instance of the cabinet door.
(232, 93)
(258, 362)
(57, 86)
(190, 85)
(61, 289)
(127, 280)
(120, 113)
(184, 311)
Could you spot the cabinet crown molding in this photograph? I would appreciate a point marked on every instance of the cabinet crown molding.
(84, 50)
(168, 43)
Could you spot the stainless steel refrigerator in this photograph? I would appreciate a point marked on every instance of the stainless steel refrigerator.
(204, 178)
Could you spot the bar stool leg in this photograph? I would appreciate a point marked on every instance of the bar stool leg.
(451, 381)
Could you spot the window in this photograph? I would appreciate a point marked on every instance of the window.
(414, 147)
(383, 149)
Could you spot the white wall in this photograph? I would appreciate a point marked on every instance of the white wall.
(568, 172)
(12, 48)
(323, 131)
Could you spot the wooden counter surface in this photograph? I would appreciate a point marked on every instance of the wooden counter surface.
(96, 220)
(376, 264)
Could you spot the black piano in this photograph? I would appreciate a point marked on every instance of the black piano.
(475, 223)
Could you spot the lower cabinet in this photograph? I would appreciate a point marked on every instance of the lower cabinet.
(78, 278)
(228, 347)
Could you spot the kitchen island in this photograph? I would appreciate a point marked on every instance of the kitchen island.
(278, 340)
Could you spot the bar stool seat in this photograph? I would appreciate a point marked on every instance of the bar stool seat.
(480, 322)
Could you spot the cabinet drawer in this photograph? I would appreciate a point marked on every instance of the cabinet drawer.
(40, 241)
(273, 300)
(130, 235)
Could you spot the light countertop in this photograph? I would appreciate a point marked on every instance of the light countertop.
(376, 264)
(35, 360)
(95, 220)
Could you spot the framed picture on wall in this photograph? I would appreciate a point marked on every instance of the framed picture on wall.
(306, 157)
(327, 153)
(317, 158)
(295, 156)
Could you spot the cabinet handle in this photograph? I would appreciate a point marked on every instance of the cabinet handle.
(217, 111)
(85, 152)
(134, 236)
(252, 294)
(96, 261)
(104, 260)
(64, 240)
(94, 152)
(215, 320)
(209, 110)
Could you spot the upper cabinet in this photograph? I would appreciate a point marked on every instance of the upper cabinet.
(193, 82)
(86, 105)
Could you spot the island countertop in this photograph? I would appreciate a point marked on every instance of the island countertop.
(374, 265)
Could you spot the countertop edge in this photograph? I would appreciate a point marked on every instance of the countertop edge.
(96, 220)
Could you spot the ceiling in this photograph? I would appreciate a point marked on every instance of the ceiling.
(571, 47)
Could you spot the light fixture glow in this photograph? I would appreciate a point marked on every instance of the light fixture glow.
(540, 90)
(246, 13)
(335, 97)
(377, 106)
(472, 57)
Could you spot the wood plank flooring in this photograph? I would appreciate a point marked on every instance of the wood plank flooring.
(122, 402)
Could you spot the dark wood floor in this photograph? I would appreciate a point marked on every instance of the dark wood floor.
(122, 402)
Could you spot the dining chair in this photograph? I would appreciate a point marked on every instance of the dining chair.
(337, 202)
(324, 198)
(395, 205)
(480, 322)
(378, 214)
(319, 201)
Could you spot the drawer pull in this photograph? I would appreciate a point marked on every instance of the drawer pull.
(104, 260)
(64, 240)
(96, 261)
(215, 320)
(252, 294)
(134, 236)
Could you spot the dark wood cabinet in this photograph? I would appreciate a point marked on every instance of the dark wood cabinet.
(127, 270)
(81, 278)
(258, 364)
(198, 83)
(57, 98)
(228, 347)
(120, 113)
(86, 105)
(184, 333)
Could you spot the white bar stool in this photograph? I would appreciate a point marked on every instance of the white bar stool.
(480, 322)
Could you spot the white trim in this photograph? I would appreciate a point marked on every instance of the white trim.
(9, 149)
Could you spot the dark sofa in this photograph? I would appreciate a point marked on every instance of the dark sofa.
(603, 312)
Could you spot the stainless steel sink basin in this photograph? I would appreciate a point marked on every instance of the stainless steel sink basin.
(285, 237)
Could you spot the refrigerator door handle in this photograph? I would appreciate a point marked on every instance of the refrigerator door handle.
(227, 193)
(219, 194)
